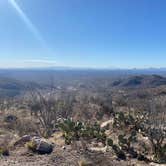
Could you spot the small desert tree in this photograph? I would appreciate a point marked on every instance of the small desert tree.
(47, 107)
(156, 129)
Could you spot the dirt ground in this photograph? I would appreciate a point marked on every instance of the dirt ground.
(64, 157)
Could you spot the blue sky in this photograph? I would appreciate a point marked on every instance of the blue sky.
(83, 33)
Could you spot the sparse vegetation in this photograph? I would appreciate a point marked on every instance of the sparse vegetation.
(134, 123)
(157, 138)
(47, 108)
(73, 131)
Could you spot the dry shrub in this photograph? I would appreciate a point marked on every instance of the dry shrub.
(19, 125)
(25, 126)
(6, 142)
(48, 107)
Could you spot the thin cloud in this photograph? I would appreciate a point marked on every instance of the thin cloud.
(40, 61)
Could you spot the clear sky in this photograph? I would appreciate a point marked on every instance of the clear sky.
(83, 33)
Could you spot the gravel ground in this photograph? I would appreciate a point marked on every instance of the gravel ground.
(64, 157)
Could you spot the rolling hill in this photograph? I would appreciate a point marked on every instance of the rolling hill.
(142, 81)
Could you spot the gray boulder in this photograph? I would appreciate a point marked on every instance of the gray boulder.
(41, 146)
(35, 144)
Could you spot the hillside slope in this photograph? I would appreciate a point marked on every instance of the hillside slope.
(10, 87)
(142, 81)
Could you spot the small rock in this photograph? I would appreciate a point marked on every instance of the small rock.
(63, 147)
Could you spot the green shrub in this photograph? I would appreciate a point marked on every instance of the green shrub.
(130, 121)
(94, 131)
(73, 131)
(125, 141)
(119, 153)
(109, 142)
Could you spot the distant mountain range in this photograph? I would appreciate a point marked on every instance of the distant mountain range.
(15, 81)
(86, 68)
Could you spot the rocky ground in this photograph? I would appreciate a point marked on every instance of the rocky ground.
(65, 157)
